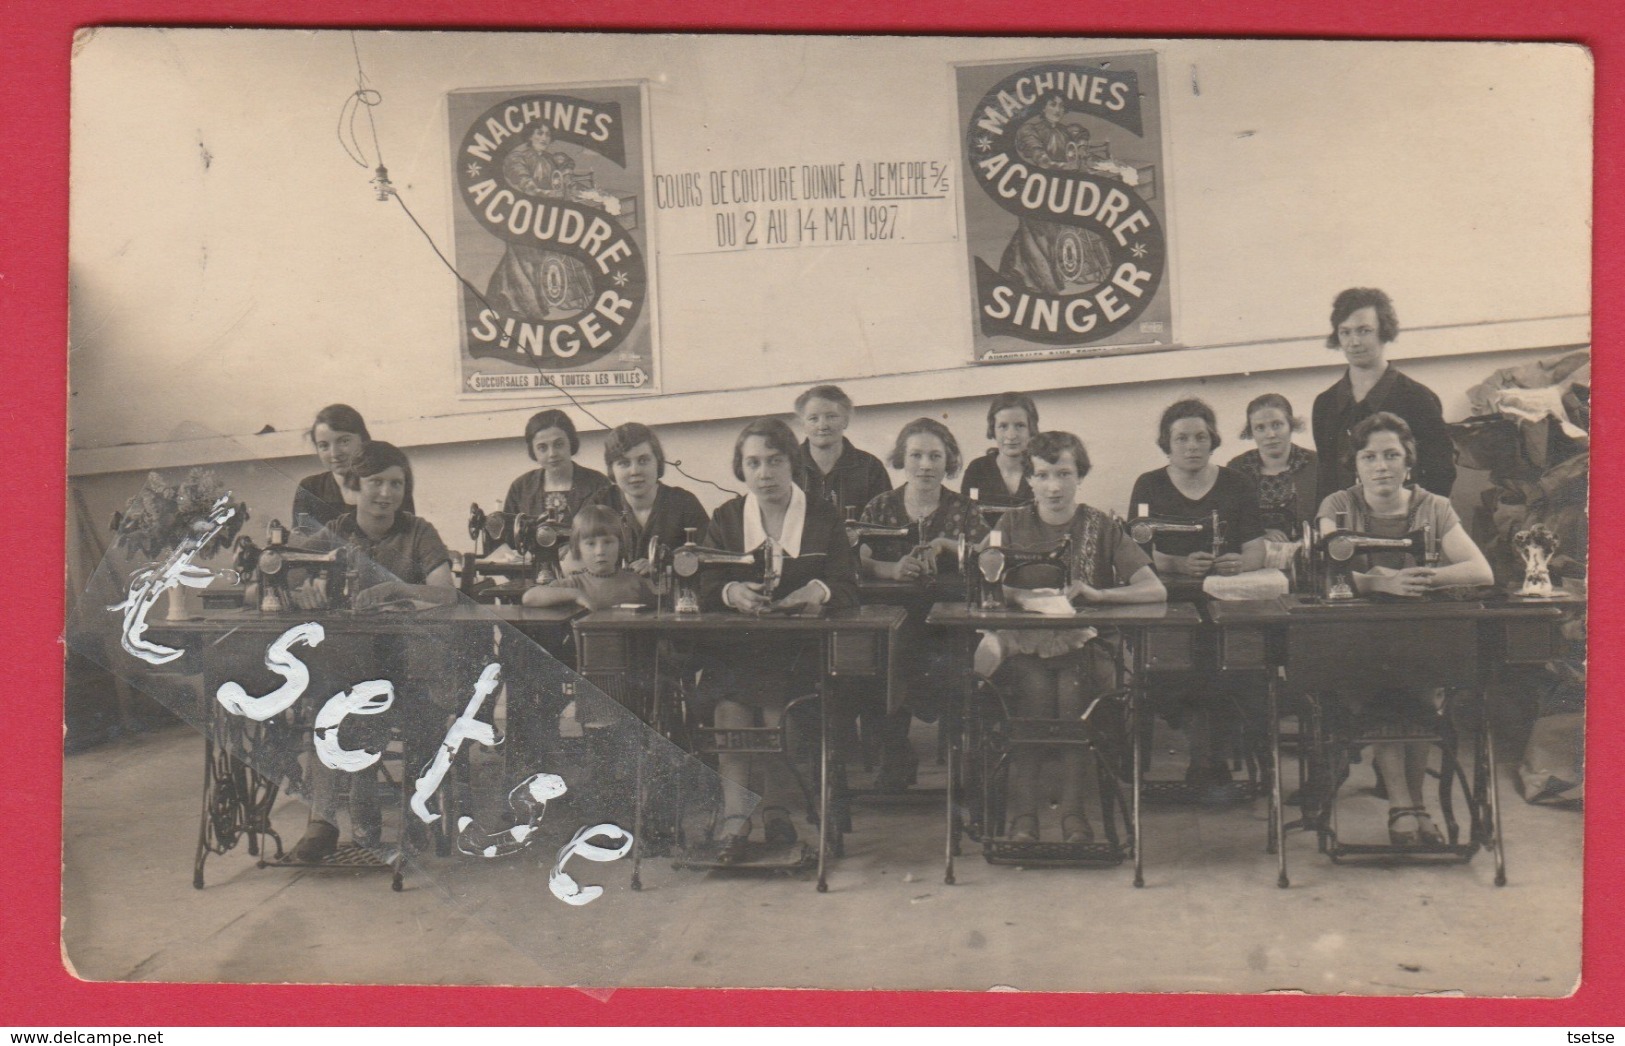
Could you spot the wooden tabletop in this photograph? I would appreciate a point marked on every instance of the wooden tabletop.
(869, 618)
(1295, 609)
(1114, 615)
(347, 622)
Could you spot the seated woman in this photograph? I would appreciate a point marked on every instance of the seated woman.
(999, 477)
(927, 453)
(1386, 502)
(1284, 473)
(834, 470)
(557, 490)
(605, 579)
(338, 435)
(402, 557)
(751, 686)
(1192, 487)
(1061, 672)
(647, 508)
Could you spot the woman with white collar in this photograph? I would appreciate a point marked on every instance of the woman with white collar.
(751, 687)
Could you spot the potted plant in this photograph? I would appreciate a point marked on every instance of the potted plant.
(162, 515)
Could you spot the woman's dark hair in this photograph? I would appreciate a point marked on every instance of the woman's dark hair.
(622, 438)
(596, 521)
(1265, 402)
(1382, 421)
(340, 417)
(550, 419)
(1051, 445)
(1191, 407)
(1009, 401)
(927, 427)
(375, 458)
(832, 393)
(779, 438)
(1352, 301)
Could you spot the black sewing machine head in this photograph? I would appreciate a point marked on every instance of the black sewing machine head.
(1330, 557)
(988, 569)
(538, 542)
(333, 575)
(689, 561)
(1144, 528)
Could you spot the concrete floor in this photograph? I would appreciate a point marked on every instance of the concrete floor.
(1210, 917)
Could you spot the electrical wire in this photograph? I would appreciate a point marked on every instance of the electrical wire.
(365, 97)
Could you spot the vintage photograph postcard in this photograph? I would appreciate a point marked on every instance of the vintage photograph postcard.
(943, 513)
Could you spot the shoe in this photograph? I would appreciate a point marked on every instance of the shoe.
(1398, 836)
(1076, 829)
(777, 826)
(1024, 829)
(1427, 833)
(320, 841)
(736, 842)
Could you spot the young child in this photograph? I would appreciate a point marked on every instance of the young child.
(605, 582)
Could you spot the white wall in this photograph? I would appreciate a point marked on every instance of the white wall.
(232, 272)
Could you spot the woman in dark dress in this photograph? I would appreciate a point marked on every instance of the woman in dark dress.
(999, 478)
(338, 434)
(557, 490)
(751, 684)
(1192, 487)
(1363, 324)
(649, 510)
(927, 453)
(1284, 473)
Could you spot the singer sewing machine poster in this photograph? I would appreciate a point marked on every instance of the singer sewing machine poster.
(550, 232)
(1065, 207)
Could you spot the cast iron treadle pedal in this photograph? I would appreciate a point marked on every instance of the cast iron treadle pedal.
(348, 855)
(1180, 792)
(758, 856)
(1443, 853)
(1042, 854)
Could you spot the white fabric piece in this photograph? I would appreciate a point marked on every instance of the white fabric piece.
(1254, 584)
(795, 521)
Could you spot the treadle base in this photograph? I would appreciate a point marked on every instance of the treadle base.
(1180, 792)
(758, 857)
(1441, 853)
(348, 856)
(1056, 855)
(911, 795)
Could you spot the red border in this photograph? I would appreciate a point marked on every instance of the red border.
(35, 49)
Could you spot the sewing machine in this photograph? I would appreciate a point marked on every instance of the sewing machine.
(334, 574)
(1326, 558)
(1145, 527)
(894, 543)
(987, 569)
(538, 542)
(689, 560)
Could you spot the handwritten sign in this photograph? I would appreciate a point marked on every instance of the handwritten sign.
(846, 203)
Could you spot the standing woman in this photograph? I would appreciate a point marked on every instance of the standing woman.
(835, 471)
(1192, 487)
(338, 435)
(1383, 501)
(647, 507)
(927, 453)
(1058, 673)
(999, 478)
(557, 490)
(1363, 323)
(1284, 473)
(751, 683)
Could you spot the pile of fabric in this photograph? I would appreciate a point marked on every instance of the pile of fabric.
(1530, 432)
